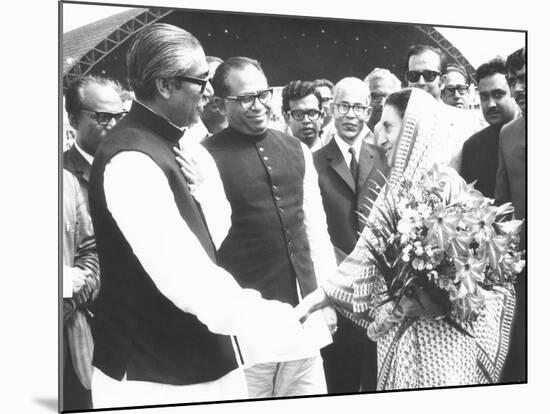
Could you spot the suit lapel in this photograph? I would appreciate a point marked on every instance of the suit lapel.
(366, 162)
(338, 164)
(81, 166)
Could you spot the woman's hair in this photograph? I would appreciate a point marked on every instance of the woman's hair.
(399, 100)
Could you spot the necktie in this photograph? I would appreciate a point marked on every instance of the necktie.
(353, 166)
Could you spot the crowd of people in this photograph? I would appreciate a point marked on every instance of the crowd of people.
(208, 255)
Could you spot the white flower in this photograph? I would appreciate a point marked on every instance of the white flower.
(428, 250)
(404, 226)
(418, 264)
(518, 266)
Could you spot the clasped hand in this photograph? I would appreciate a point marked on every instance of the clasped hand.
(192, 171)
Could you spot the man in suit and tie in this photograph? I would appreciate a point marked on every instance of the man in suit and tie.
(510, 186)
(348, 168)
(93, 106)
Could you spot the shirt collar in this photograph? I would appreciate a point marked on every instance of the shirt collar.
(89, 159)
(344, 146)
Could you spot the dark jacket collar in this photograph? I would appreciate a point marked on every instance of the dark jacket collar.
(156, 123)
(74, 162)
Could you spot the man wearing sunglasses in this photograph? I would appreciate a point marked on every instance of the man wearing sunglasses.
(455, 87)
(425, 65)
(278, 242)
(93, 106)
(302, 112)
(349, 170)
(166, 311)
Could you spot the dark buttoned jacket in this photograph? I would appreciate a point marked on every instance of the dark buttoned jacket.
(343, 199)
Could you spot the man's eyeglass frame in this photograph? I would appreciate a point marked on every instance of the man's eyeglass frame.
(99, 114)
(247, 105)
(192, 79)
(312, 114)
(451, 90)
(358, 110)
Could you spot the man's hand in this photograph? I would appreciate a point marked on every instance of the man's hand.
(315, 300)
(81, 288)
(191, 170)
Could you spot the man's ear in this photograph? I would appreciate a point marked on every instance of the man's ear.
(332, 108)
(164, 87)
(368, 113)
(73, 121)
(286, 117)
(442, 80)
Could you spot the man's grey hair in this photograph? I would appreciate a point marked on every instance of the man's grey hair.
(382, 73)
(159, 51)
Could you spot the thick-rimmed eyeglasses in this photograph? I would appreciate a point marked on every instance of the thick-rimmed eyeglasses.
(299, 114)
(104, 118)
(192, 79)
(247, 101)
(344, 108)
(428, 75)
(451, 90)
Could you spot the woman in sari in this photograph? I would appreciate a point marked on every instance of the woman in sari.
(417, 347)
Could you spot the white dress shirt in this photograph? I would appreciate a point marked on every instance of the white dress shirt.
(344, 148)
(86, 156)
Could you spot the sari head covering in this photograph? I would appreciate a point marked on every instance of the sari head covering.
(428, 353)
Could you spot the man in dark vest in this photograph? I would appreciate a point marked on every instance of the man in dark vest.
(165, 309)
(278, 242)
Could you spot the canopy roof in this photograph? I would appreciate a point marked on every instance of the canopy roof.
(288, 47)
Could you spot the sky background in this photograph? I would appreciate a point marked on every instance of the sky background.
(477, 46)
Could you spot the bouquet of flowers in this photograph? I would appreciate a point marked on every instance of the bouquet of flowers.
(442, 235)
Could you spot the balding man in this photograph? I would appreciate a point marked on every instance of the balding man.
(93, 107)
(349, 170)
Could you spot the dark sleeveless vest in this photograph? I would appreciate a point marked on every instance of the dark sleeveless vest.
(136, 329)
(267, 247)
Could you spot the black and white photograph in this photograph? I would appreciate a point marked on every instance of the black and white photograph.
(290, 208)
